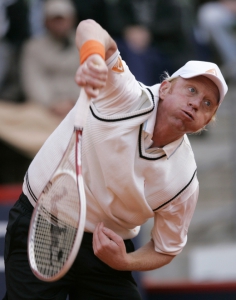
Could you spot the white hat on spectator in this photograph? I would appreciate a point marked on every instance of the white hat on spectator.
(58, 8)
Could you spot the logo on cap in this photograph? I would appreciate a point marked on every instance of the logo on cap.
(212, 71)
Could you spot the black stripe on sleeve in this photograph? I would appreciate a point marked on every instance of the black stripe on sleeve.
(29, 188)
(127, 117)
(177, 193)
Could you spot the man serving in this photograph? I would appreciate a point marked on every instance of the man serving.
(137, 164)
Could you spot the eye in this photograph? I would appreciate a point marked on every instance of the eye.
(207, 103)
(192, 90)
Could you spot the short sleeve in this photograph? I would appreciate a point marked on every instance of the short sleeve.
(171, 223)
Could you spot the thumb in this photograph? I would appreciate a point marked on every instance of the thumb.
(95, 61)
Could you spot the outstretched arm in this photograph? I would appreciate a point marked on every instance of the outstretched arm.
(92, 73)
(110, 248)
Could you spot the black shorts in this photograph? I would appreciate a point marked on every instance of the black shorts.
(88, 279)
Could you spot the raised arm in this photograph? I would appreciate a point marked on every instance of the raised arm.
(95, 45)
(90, 30)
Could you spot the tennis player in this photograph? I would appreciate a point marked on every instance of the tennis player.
(137, 164)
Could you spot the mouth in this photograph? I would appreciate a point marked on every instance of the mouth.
(188, 114)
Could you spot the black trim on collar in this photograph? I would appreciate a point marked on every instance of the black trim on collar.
(177, 193)
(126, 118)
(29, 188)
(140, 147)
(151, 95)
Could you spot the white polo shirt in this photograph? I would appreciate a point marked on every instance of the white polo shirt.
(126, 180)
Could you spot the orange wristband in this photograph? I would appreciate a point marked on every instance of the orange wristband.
(91, 47)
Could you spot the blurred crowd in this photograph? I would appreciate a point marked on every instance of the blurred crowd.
(38, 56)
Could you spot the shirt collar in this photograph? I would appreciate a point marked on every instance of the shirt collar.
(170, 149)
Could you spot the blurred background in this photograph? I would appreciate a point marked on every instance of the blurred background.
(38, 60)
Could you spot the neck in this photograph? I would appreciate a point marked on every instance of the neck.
(164, 133)
(161, 138)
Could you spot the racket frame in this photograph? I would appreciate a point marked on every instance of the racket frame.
(77, 176)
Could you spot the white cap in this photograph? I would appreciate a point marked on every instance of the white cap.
(55, 8)
(195, 68)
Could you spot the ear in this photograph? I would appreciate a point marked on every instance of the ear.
(164, 89)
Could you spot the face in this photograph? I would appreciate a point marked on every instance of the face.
(188, 104)
(138, 37)
(60, 27)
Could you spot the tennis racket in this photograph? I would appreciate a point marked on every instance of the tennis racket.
(58, 219)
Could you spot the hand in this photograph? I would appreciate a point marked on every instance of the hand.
(110, 248)
(92, 75)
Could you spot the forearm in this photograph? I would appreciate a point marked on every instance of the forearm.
(110, 248)
(90, 30)
(147, 259)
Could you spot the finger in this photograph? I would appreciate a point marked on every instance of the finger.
(101, 236)
(95, 75)
(97, 70)
(112, 235)
(96, 241)
(90, 91)
(80, 81)
(92, 82)
(96, 60)
(98, 235)
(80, 78)
(95, 83)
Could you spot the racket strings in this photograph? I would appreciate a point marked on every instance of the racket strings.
(52, 246)
(56, 226)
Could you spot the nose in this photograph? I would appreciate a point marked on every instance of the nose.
(195, 102)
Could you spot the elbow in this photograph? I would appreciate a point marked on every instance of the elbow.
(162, 260)
(169, 259)
(166, 259)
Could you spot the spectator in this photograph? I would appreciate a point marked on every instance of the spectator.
(49, 61)
(216, 29)
(144, 60)
(6, 54)
(170, 23)
(48, 67)
(10, 45)
(17, 15)
(36, 17)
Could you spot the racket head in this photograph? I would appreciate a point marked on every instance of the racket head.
(57, 223)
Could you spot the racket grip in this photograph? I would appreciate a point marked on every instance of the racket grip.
(82, 108)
